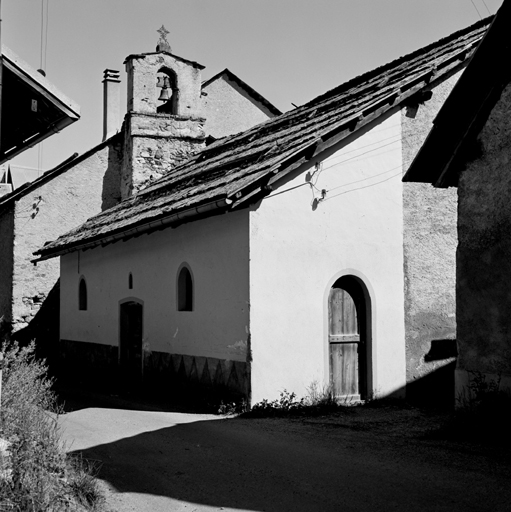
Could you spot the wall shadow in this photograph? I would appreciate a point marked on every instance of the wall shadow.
(44, 329)
(111, 189)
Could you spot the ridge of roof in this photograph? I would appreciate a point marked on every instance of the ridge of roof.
(420, 51)
(241, 168)
(252, 92)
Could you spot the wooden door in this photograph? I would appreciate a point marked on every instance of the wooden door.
(345, 343)
(131, 342)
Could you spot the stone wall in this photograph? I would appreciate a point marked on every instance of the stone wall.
(156, 143)
(484, 252)
(429, 244)
(6, 259)
(51, 209)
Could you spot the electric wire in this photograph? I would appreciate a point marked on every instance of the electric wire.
(365, 186)
(363, 179)
(361, 154)
(475, 7)
(486, 7)
(365, 146)
(46, 35)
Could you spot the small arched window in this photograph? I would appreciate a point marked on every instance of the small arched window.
(82, 295)
(130, 281)
(184, 290)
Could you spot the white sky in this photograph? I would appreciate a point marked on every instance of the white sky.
(287, 50)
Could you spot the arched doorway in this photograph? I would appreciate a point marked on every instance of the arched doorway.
(130, 338)
(347, 338)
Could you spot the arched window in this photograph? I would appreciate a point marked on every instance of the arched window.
(82, 295)
(184, 290)
(167, 91)
(130, 281)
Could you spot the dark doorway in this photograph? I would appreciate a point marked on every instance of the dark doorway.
(347, 336)
(131, 314)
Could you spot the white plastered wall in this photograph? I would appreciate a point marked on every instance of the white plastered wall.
(216, 251)
(296, 254)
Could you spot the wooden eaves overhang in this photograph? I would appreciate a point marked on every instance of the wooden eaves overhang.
(241, 169)
(32, 107)
(452, 141)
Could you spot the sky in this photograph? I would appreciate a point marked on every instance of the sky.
(288, 50)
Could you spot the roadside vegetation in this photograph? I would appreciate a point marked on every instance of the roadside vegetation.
(36, 474)
(482, 415)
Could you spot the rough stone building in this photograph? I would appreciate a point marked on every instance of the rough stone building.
(287, 254)
(155, 136)
(469, 148)
(33, 109)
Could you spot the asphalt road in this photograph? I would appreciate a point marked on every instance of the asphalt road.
(161, 461)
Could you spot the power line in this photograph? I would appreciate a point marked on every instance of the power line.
(364, 179)
(362, 154)
(475, 7)
(486, 7)
(366, 186)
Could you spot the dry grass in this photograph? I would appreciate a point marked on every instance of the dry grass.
(39, 476)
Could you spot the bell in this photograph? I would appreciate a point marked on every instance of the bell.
(164, 94)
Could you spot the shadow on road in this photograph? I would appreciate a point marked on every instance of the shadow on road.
(280, 465)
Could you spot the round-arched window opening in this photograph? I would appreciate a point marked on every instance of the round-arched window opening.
(82, 295)
(166, 87)
(184, 290)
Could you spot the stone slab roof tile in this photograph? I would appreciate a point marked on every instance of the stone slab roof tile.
(228, 169)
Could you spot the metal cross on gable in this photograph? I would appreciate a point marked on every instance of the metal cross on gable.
(163, 33)
(163, 45)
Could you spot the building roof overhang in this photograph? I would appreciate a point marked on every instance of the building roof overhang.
(32, 107)
(452, 141)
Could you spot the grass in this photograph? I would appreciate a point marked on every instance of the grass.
(39, 476)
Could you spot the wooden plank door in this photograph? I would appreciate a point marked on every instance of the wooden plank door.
(344, 343)
(131, 342)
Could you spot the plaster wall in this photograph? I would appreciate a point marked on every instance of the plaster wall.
(483, 292)
(429, 244)
(229, 109)
(50, 210)
(6, 259)
(297, 253)
(216, 251)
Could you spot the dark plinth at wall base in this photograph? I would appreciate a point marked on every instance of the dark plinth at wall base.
(91, 364)
(167, 375)
(196, 374)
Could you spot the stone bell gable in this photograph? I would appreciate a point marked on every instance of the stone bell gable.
(164, 122)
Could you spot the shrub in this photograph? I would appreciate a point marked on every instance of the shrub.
(39, 476)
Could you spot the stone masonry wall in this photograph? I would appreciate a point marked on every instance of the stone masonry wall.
(155, 144)
(50, 210)
(484, 251)
(429, 243)
(6, 259)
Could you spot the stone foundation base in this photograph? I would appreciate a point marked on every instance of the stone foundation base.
(97, 365)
